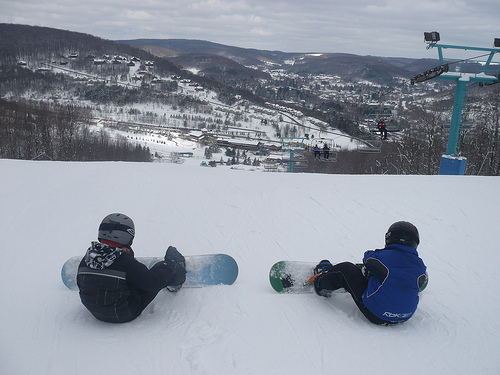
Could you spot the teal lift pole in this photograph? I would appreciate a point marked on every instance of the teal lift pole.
(292, 144)
(292, 155)
(456, 118)
(450, 163)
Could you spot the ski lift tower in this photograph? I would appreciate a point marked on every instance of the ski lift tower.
(292, 144)
(467, 71)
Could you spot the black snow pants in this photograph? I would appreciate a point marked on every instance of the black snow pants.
(350, 277)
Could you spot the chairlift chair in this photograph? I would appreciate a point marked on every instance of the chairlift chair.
(332, 158)
(299, 161)
(390, 125)
(321, 142)
(370, 146)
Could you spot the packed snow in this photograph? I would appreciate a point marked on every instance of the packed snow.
(51, 212)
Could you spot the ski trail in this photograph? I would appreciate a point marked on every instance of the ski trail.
(298, 339)
(258, 218)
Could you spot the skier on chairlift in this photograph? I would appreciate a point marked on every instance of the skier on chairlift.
(382, 129)
(326, 151)
(316, 151)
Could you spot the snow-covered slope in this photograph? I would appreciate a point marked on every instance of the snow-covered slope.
(50, 211)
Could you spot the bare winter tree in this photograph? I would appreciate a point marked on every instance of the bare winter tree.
(55, 132)
(481, 143)
(423, 143)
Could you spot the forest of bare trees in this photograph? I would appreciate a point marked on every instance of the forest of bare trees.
(39, 131)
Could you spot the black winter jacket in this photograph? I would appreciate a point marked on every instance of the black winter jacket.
(119, 292)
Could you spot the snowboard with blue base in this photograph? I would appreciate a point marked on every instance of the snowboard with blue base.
(202, 270)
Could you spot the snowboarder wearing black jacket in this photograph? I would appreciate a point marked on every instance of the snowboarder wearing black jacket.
(113, 285)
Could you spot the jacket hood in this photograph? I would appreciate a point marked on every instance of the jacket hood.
(100, 256)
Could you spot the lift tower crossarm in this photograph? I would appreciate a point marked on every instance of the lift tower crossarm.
(451, 162)
(440, 47)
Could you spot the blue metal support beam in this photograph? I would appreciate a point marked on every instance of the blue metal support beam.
(292, 156)
(448, 46)
(488, 62)
(292, 144)
(456, 118)
(451, 163)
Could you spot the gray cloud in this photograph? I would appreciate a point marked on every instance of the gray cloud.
(383, 28)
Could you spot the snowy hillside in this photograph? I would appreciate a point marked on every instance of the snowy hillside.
(51, 211)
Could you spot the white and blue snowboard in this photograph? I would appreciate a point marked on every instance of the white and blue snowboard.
(202, 270)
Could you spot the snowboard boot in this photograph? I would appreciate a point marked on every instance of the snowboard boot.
(323, 267)
(321, 271)
(179, 274)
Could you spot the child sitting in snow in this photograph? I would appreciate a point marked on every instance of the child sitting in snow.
(386, 289)
(113, 285)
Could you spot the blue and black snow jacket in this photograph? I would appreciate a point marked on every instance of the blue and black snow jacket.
(396, 272)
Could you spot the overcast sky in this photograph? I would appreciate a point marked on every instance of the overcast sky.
(376, 27)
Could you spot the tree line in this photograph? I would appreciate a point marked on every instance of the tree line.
(34, 131)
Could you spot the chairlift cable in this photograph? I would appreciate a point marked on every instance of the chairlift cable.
(470, 58)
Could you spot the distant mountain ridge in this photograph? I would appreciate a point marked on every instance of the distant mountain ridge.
(226, 64)
(349, 66)
(243, 56)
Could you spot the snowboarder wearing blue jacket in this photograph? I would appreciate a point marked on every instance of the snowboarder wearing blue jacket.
(386, 289)
(113, 285)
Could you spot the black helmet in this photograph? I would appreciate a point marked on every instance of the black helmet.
(117, 228)
(404, 233)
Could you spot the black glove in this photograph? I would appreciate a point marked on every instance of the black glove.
(173, 257)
